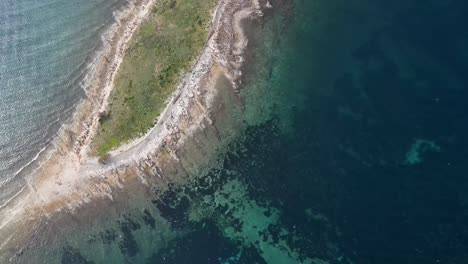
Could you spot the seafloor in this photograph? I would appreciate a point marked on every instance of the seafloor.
(344, 142)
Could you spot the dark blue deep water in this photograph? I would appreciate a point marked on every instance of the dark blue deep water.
(372, 165)
(354, 148)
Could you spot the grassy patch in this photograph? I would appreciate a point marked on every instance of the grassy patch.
(161, 50)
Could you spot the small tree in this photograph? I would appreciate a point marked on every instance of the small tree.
(104, 159)
(103, 116)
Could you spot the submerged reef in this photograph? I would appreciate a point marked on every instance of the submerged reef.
(70, 190)
(305, 132)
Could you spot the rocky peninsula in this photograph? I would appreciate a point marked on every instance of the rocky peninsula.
(72, 181)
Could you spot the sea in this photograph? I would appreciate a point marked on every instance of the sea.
(47, 48)
(352, 147)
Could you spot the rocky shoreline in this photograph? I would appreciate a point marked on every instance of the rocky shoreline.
(182, 141)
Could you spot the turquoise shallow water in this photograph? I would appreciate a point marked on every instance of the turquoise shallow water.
(352, 149)
(46, 47)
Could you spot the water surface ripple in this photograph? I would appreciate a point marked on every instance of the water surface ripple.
(46, 47)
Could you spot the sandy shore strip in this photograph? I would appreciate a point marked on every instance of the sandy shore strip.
(71, 178)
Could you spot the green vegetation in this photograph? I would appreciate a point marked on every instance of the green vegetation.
(161, 50)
